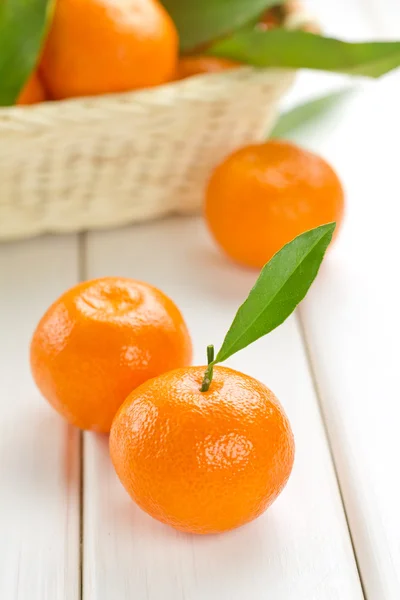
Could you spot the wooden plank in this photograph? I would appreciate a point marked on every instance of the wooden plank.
(300, 549)
(39, 461)
(352, 325)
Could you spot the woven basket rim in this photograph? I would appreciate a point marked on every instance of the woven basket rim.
(97, 109)
(148, 95)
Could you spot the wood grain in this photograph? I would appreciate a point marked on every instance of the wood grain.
(352, 325)
(39, 462)
(300, 549)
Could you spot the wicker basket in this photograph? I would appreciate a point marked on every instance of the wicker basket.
(105, 161)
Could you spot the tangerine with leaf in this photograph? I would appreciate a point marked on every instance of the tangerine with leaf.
(207, 449)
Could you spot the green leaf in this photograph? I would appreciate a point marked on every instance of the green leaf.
(282, 284)
(298, 49)
(201, 21)
(23, 24)
(307, 113)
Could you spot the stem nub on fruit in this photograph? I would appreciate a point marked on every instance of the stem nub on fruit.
(208, 375)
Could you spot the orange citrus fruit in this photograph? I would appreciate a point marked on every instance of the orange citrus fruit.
(104, 46)
(203, 462)
(199, 65)
(33, 91)
(270, 19)
(99, 341)
(264, 195)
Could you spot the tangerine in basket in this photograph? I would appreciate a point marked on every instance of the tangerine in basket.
(263, 195)
(203, 462)
(199, 65)
(33, 91)
(106, 46)
(99, 341)
(270, 19)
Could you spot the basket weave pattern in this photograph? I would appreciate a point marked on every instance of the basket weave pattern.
(105, 161)
(99, 162)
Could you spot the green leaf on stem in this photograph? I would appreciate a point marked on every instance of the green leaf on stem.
(309, 112)
(282, 284)
(201, 21)
(298, 49)
(23, 24)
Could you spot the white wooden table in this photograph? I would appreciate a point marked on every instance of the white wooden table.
(68, 531)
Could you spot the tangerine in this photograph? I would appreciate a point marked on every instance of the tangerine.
(264, 195)
(270, 19)
(199, 65)
(33, 91)
(100, 340)
(105, 46)
(202, 462)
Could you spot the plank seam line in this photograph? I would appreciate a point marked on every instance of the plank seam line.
(82, 270)
(318, 396)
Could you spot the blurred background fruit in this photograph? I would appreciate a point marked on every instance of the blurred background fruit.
(263, 195)
(199, 65)
(102, 46)
(271, 18)
(146, 154)
(33, 92)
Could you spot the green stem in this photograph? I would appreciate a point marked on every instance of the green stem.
(208, 375)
